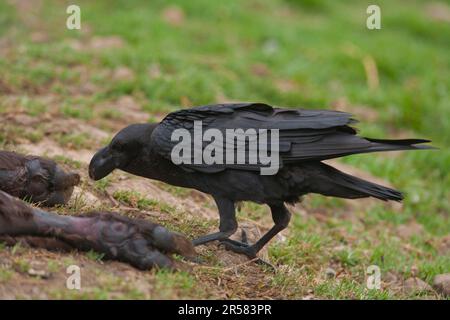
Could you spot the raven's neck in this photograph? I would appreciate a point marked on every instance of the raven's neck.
(151, 165)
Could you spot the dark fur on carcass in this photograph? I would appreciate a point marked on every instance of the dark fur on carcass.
(140, 243)
(36, 179)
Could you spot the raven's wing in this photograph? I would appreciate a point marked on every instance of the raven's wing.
(304, 135)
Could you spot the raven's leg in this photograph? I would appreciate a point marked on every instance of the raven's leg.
(280, 215)
(228, 223)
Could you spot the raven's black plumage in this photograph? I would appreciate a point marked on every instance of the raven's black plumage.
(306, 137)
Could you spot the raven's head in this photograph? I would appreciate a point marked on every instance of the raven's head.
(123, 148)
(47, 183)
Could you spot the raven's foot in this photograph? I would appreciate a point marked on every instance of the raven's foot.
(246, 249)
(239, 247)
(211, 237)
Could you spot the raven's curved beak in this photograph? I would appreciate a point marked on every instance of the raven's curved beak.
(102, 164)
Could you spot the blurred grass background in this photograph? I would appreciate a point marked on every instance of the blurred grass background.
(292, 53)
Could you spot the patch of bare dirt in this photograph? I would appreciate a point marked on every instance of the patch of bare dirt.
(442, 284)
(173, 15)
(28, 12)
(49, 148)
(87, 198)
(416, 285)
(154, 71)
(71, 125)
(444, 245)
(286, 85)
(128, 111)
(98, 43)
(438, 11)
(260, 69)
(123, 74)
(410, 229)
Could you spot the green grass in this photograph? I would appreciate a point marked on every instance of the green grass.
(168, 282)
(283, 52)
(177, 220)
(5, 274)
(74, 141)
(94, 256)
(136, 200)
(68, 161)
(102, 184)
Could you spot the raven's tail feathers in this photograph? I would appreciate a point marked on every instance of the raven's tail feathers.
(333, 182)
(400, 144)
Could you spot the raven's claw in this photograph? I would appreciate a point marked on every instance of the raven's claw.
(246, 249)
(244, 237)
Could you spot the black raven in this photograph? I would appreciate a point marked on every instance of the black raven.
(35, 179)
(306, 137)
(141, 243)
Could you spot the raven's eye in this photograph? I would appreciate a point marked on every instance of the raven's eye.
(118, 146)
